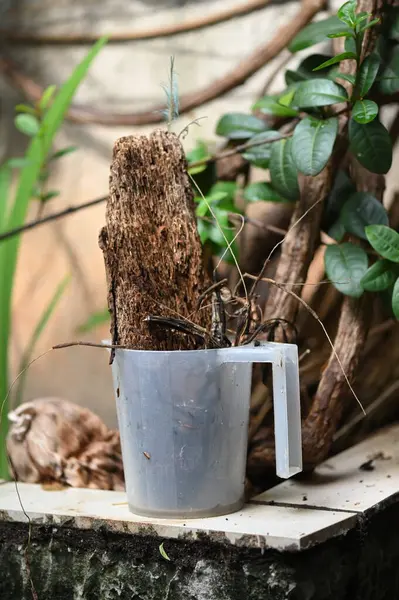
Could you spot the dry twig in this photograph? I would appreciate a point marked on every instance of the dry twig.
(239, 75)
(30, 37)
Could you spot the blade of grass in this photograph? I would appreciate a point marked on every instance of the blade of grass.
(5, 182)
(95, 320)
(37, 332)
(36, 154)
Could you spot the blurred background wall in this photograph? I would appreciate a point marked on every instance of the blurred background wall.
(124, 77)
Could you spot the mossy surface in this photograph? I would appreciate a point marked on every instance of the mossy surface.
(70, 564)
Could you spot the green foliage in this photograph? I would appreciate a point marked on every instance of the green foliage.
(347, 13)
(46, 97)
(27, 124)
(317, 32)
(163, 553)
(270, 105)
(336, 59)
(384, 240)
(259, 156)
(364, 111)
(367, 74)
(361, 210)
(214, 225)
(95, 320)
(204, 175)
(312, 89)
(239, 126)
(371, 145)
(380, 276)
(50, 115)
(319, 92)
(346, 264)
(393, 33)
(283, 171)
(63, 152)
(306, 69)
(350, 45)
(389, 83)
(37, 332)
(346, 77)
(395, 299)
(262, 190)
(312, 144)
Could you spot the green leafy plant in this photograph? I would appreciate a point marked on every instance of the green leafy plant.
(41, 124)
(311, 96)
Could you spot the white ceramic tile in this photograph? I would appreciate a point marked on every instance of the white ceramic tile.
(255, 526)
(340, 483)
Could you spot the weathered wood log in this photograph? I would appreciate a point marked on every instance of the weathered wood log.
(152, 251)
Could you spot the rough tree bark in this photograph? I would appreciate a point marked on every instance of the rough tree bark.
(152, 251)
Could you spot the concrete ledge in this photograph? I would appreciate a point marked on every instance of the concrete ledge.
(333, 536)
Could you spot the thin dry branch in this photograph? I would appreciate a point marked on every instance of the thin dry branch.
(31, 37)
(239, 75)
(73, 209)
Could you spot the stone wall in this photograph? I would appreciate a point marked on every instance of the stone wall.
(67, 563)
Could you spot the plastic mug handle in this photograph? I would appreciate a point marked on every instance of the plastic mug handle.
(286, 398)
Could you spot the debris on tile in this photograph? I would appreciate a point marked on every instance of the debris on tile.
(368, 465)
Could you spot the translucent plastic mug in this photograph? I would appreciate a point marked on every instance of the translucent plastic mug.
(183, 420)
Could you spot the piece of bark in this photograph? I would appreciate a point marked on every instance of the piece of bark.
(152, 251)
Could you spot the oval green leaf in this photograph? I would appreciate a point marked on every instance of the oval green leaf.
(379, 276)
(262, 190)
(315, 33)
(368, 73)
(259, 156)
(27, 124)
(372, 146)
(384, 240)
(395, 299)
(239, 126)
(360, 210)
(312, 144)
(271, 106)
(319, 92)
(389, 83)
(345, 266)
(364, 111)
(336, 59)
(283, 171)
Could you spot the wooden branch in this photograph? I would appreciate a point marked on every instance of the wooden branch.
(152, 251)
(326, 410)
(299, 245)
(321, 423)
(238, 76)
(31, 37)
